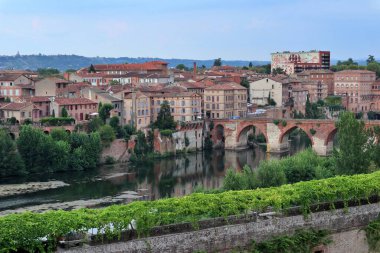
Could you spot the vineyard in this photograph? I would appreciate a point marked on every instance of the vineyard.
(33, 231)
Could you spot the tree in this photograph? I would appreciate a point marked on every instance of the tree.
(371, 59)
(114, 82)
(64, 113)
(129, 131)
(353, 154)
(218, 62)
(45, 72)
(278, 71)
(182, 67)
(35, 149)
(308, 108)
(7, 100)
(375, 67)
(245, 83)
(94, 124)
(107, 135)
(59, 134)
(53, 114)
(91, 69)
(250, 65)
(165, 119)
(104, 111)
(11, 163)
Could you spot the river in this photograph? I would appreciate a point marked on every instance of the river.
(169, 177)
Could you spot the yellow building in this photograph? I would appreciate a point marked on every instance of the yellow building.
(184, 106)
(142, 111)
(227, 100)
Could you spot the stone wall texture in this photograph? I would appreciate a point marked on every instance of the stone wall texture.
(345, 226)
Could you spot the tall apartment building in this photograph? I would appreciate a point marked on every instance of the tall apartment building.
(226, 100)
(294, 62)
(356, 87)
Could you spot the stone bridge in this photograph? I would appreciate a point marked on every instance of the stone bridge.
(233, 134)
(14, 130)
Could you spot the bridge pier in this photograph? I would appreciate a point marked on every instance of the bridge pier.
(273, 144)
(320, 148)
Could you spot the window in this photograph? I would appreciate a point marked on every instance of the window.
(183, 103)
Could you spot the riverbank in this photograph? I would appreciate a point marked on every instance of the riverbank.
(122, 198)
(18, 189)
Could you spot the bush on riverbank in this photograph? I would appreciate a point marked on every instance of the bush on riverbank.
(303, 166)
(59, 151)
(23, 231)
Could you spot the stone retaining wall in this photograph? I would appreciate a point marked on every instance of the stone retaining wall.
(223, 238)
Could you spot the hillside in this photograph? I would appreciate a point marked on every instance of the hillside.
(64, 62)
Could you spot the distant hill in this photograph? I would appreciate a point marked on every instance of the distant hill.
(64, 62)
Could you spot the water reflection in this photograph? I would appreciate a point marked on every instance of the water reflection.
(171, 177)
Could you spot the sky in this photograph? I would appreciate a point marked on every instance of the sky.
(190, 29)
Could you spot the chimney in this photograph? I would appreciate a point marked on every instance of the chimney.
(195, 69)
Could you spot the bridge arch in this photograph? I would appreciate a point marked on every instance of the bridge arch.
(283, 141)
(242, 135)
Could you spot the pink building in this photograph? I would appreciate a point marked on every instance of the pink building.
(356, 86)
(77, 108)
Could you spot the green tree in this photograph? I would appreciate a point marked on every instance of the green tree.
(129, 131)
(182, 67)
(278, 71)
(115, 122)
(64, 113)
(34, 147)
(59, 134)
(370, 59)
(250, 65)
(7, 100)
(308, 108)
(11, 163)
(94, 124)
(165, 119)
(375, 67)
(45, 72)
(353, 154)
(218, 62)
(245, 83)
(91, 69)
(270, 174)
(107, 134)
(104, 111)
(114, 82)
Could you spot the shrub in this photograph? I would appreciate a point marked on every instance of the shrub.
(283, 123)
(312, 131)
(57, 121)
(109, 160)
(107, 134)
(276, 122)
(166, 132)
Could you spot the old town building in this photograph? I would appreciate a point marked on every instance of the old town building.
(184, 106)
(228, 100)
(356, 86)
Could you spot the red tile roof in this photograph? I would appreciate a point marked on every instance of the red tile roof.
(73, 101)
(38, 99)
(15, 106)
(226, 86)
